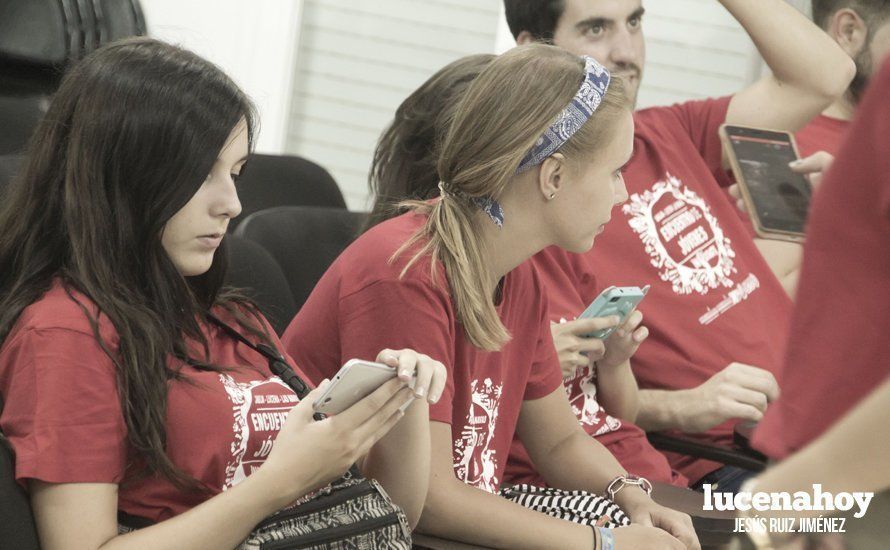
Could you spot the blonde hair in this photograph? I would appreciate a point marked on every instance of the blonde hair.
(502, 114)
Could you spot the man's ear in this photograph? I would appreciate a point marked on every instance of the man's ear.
(524, 37)
(552, 178)
(849, 30)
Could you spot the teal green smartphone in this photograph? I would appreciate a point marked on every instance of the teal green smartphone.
(614, 300)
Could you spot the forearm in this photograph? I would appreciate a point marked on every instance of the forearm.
(400, 461)
(784, 258)
(617, 391)
(798, 52)
(661, 409)
(789, 283)
(220, 522)
(579, 462)
(460, 512)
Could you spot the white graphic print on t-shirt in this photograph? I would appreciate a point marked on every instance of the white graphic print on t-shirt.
(580, 388)
(475, 462)
(686, 244)
(259, 410)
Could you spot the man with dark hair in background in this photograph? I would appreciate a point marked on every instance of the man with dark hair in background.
(862, 29)
(716, 314)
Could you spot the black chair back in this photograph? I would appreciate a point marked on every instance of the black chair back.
(17, 529)
(56, 32)
(39, 40)
(9, 167)
(303, 240)
(253, 270)
(19, 116)
(268, 181)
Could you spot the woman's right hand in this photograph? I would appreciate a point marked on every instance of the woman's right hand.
(574, 350)
(642, 536)
(309, 454)
(812, 167)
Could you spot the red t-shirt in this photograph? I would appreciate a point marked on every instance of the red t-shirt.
(361, 306)
(838, 351)
(823, 133)
(63, 417)
(713, 299)
(570, 290)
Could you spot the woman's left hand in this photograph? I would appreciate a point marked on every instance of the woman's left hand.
(624, 341)
(645, 511)
(429, 375)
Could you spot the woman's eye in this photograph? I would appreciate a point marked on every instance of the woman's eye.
(635, 22)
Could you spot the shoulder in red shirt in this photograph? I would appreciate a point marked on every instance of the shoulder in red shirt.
(838, 350)
(63, 417)
(823, 133)
(362, 305)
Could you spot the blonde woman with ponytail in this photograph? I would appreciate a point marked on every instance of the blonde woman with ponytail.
(532, 158)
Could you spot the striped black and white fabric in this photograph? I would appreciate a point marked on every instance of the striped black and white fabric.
(577, 506)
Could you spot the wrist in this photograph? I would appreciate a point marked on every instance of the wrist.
(630, 497)
(605, 365)
(664, 409)
(275, 489)
(683, 409)
(584, 537)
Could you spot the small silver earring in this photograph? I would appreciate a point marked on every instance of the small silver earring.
(550, 198)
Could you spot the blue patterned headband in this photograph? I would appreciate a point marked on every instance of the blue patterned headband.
(585, 102)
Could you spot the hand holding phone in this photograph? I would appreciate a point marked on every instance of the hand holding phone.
(355, 380)
(624, 342)
(574, 349)
(619, 301)
(777, 197)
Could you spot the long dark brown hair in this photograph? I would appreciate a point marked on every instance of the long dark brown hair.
(404, 165)
(130, 136)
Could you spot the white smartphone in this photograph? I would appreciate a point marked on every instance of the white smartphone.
(356, 380)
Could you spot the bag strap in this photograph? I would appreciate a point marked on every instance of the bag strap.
(277, 364)
(279, 367)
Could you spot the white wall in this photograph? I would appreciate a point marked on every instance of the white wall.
(359, 59)
(327, 75)
(255, 42)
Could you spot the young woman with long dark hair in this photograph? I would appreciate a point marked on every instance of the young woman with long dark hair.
(123, 390)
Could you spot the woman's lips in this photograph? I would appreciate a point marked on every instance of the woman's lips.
(212, 240)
